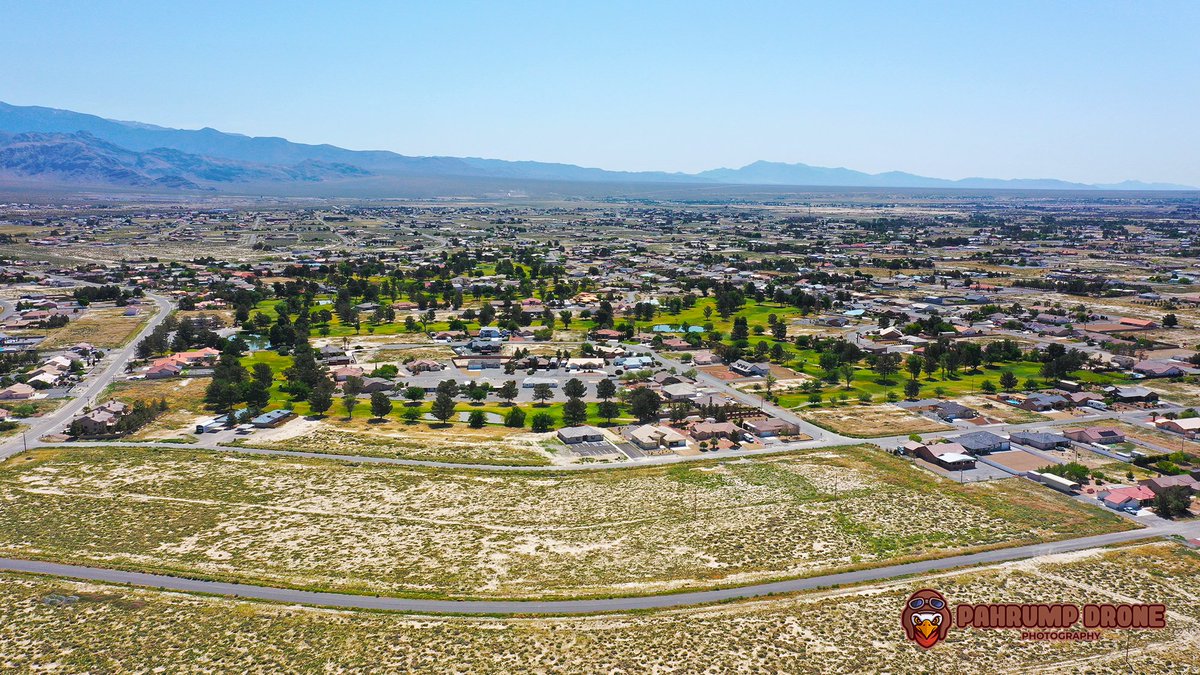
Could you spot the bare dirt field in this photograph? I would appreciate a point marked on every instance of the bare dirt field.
(414, 531)
(66, 626)
(1000, 411)
(461, 444)
(871, 421)
(105, 328)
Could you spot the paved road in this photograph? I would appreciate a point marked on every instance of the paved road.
(83, 393)
(586, 606)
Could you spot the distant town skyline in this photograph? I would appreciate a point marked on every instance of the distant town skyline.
(1092, 92)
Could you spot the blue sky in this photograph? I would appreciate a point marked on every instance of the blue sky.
(1089, 91)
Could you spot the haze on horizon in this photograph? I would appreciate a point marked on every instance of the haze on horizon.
(1088, 92)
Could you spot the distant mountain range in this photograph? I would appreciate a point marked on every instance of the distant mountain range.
(50, 147)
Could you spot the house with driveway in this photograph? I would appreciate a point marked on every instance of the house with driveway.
(1101, 435)
(1040, 439)
(982, 443)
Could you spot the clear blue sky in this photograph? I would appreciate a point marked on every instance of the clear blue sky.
(1090, 91)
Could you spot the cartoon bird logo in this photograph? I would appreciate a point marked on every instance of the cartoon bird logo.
(926, 617)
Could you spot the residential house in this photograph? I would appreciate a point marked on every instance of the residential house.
(950, 411)
(982, 442)
(1188, 426)
(703, 431)
(653, 437)
(1127, 498)
(17, 392)
(771, 426)
(1039, 439)
(949, 456)
(1160, 483)
(1155, 368)
(1039, 402)
(1101, 435)
(1131, 394)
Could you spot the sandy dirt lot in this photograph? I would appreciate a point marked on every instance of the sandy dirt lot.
(867, 421)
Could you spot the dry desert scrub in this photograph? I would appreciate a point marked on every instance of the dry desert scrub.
(51, 624)
(458, 444)
(415, 531)
(872, 421)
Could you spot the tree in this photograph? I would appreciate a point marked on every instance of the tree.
(353, 386)
(1008, 381)
(381, 405)
(847, 373)
(1170, 321)
(477, 392)
(678, 412)
(255, 395)
(321, 398)
(263, 374)
(443, 407)
(606, 389)
(1073, 471)
(476, 419)
(644, 404)
(508, 391)
(1173, 501)
(608, 410)
(574, 412)
(988, 387)
(740, 331)
(410, 413)
(448, 387)
(515, 418)
(887, 365)
(542, 392)
(414, 393)
(349, 402)
(912, 389)
(542, 422)
(914, 364)
(1031, 383)
(574, 388)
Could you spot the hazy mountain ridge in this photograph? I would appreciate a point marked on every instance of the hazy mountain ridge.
(77, 147)
(83, 158)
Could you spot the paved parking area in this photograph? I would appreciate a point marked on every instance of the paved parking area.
(598, 449)
(631, 451)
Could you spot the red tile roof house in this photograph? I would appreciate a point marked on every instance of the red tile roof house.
(163, 368)
(676, 344)
(1127, 498)
(1102, 435)
(607, 334)
(340, 374)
